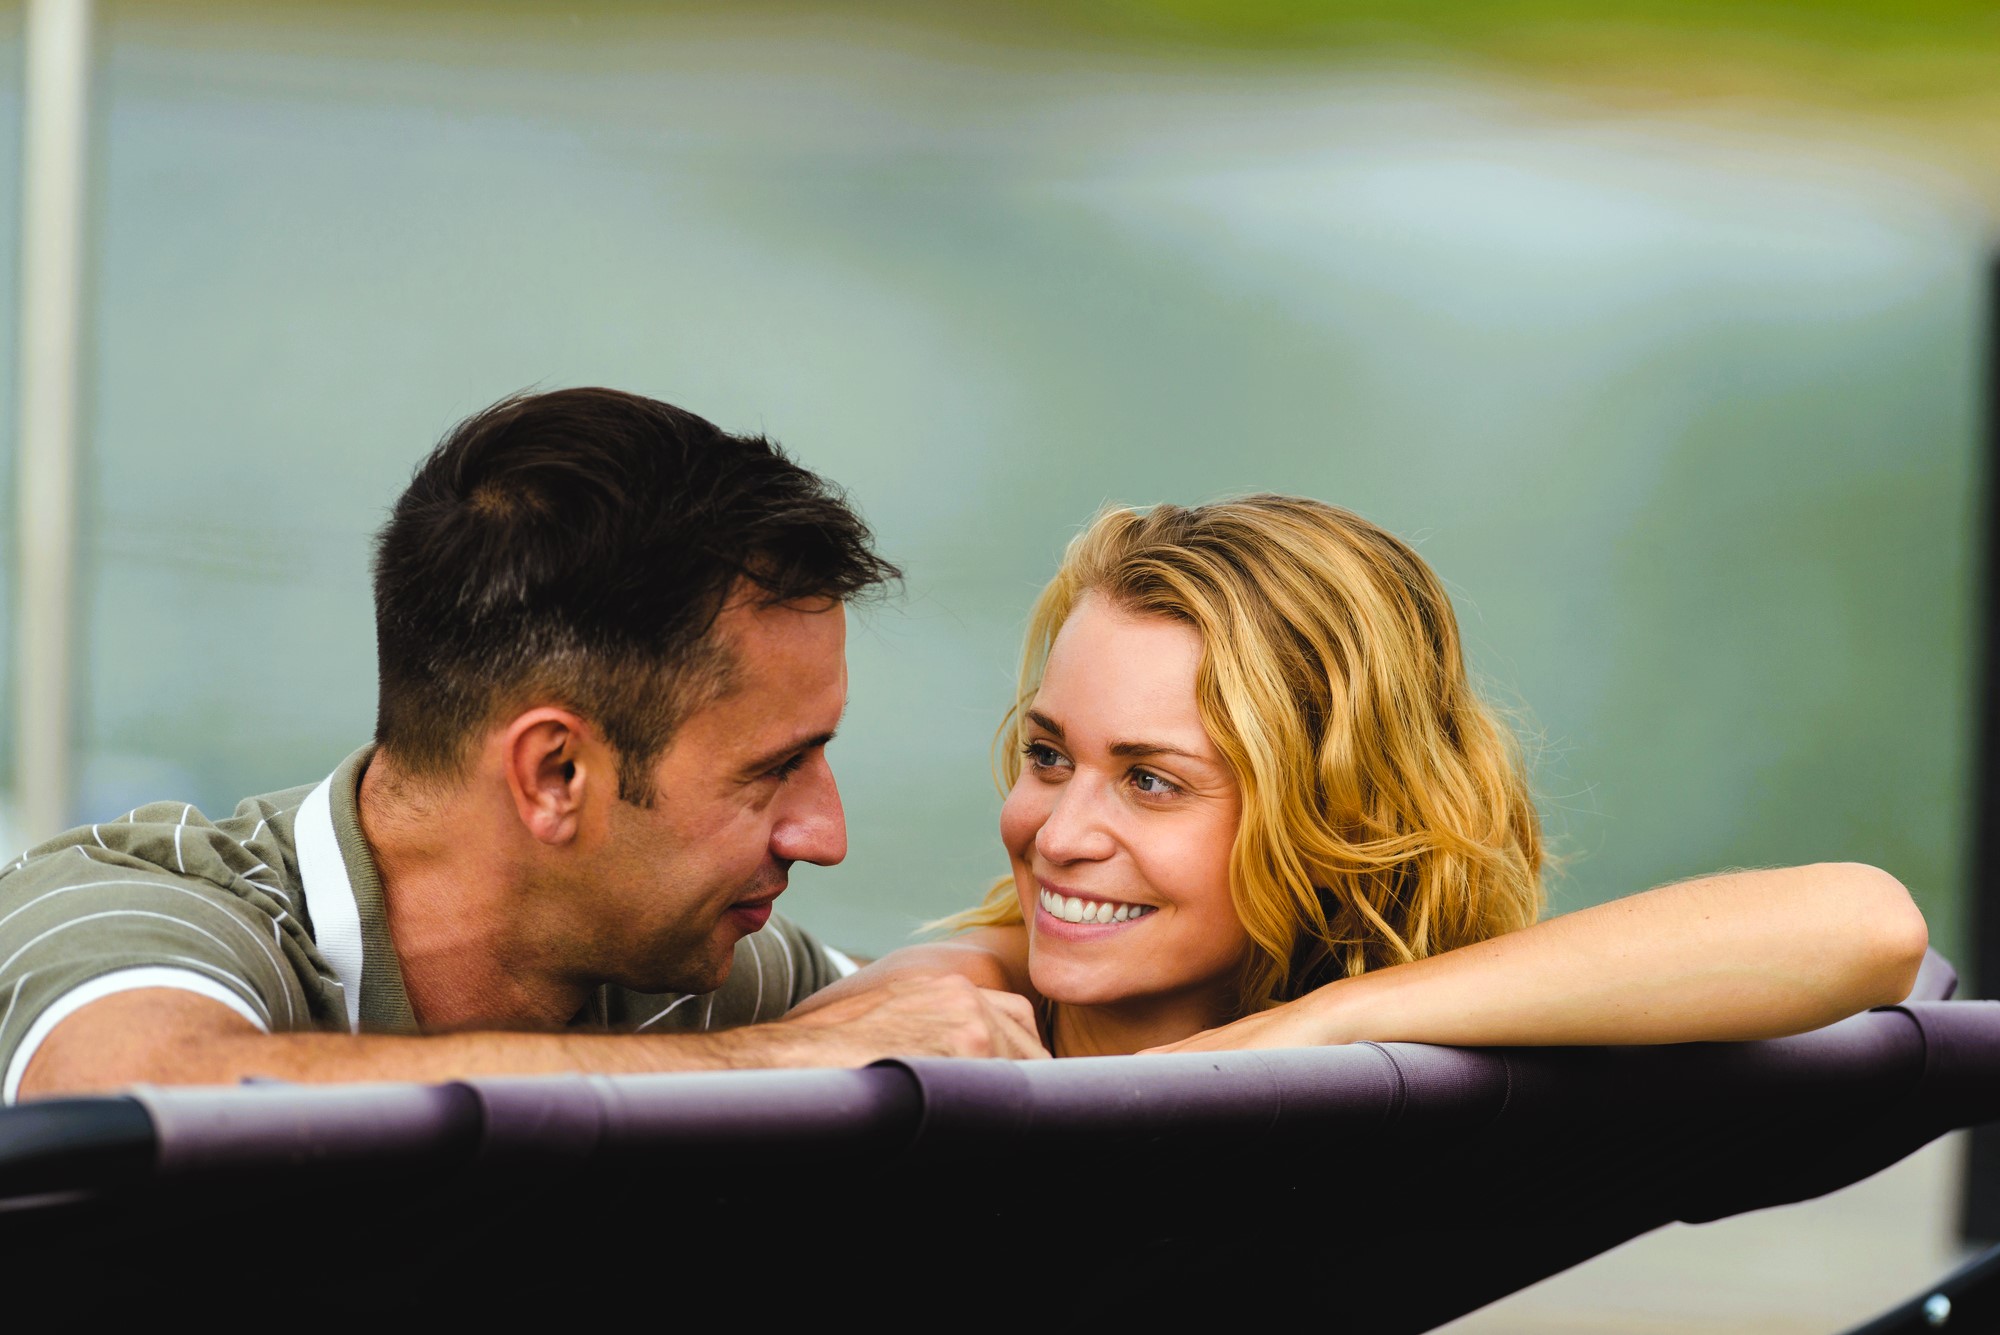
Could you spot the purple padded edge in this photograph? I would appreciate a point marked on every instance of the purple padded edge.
(1951, 1050)
(1937, 980)
(573, 1116)
(940, 1102)
(1961, 1053)
(203, 1129)
(967, 1102)
(207, 1129)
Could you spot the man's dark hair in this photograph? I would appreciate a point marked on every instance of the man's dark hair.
(576, 548)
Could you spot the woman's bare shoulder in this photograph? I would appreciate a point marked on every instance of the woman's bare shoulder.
(1007, 945)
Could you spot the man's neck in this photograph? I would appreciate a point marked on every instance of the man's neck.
(454, 902)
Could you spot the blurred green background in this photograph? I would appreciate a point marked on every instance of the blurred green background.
(1657, 327)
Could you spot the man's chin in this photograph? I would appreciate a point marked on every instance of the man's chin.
(706, 978)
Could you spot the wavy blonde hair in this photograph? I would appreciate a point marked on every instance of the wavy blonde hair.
(1386, 809)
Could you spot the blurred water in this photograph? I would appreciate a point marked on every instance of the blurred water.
(1686, 423)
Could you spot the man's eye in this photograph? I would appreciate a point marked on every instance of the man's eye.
(790, 767)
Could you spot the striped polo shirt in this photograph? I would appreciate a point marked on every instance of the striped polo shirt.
(276, 913)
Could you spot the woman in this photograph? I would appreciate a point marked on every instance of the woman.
(1253, 801)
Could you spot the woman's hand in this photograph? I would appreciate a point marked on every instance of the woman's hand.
(1292, 1025)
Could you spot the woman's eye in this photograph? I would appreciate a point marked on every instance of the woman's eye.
(1151, 784)
(1041, 757)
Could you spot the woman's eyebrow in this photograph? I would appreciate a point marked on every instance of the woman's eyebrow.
(1136, 750)
(1125, 750)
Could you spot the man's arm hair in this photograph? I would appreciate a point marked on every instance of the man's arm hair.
(169, 1037)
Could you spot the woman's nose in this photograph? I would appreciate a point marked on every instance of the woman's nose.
(1075, 830)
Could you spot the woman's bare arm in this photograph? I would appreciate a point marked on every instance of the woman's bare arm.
(1742, 955)
(996, 958)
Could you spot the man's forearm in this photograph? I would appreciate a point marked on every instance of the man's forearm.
(337, 1058)
(344, 1058)
(168, 1037)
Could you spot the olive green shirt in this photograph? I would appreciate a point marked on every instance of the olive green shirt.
(276, 912)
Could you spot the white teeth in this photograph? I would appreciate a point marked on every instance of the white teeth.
(1071, 909)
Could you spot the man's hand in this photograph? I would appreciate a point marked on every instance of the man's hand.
(944, 1015)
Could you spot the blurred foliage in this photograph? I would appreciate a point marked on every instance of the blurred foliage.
(1905, 56)
(1933, 61)
(1919, 79)
(1869, 26)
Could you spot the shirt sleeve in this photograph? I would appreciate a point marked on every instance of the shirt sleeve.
(82, 919)
(774, 970)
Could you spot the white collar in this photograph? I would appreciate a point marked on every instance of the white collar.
(329, 895)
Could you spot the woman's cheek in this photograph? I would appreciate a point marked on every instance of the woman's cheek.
(1192, 874)
(1021, 815)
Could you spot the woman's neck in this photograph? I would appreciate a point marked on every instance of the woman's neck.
(1118, 1030)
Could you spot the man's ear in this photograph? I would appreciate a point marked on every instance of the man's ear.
(553, 770)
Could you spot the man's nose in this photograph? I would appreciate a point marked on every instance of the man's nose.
(1075, 830)
(812, 827)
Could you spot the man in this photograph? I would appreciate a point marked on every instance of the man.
(611, 649)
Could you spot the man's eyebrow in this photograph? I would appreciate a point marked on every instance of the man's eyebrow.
(777, 756)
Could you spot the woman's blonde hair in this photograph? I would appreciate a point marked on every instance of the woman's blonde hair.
(1386, 810)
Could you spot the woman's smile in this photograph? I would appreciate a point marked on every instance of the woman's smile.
(1086, 911)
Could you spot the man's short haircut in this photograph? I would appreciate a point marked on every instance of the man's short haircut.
(575, 548)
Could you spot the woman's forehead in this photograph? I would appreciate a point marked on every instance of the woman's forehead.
(1113, 670)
